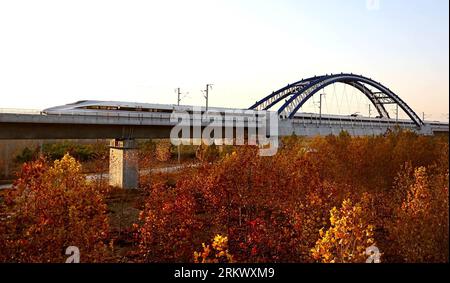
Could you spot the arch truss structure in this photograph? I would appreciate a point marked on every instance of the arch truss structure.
(294, 96)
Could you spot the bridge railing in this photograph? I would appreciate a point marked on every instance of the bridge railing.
(313, 120)
(350, 122)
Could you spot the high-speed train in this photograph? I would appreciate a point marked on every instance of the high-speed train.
(106, 108)
(130, 109)
(148, 110)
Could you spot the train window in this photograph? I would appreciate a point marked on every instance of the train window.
(121, 108)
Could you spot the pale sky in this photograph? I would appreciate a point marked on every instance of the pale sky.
(57, 52)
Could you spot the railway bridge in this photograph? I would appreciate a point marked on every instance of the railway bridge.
(123, 122)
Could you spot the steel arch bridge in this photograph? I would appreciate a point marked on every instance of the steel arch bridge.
(297, 94)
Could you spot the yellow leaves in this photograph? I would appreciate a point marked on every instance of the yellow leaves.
(67, 165)
(52, 200)
(197, 255)
(333, 216)
(220, 243)
(162, 150)
(321, 232)
(65, 174)
(348, 235)
(300, 189)
(418, 197)
(420, 226)
(218, 254)
(201, 257)
(369, 231)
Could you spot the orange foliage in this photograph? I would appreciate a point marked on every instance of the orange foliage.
(419, 229)
(392, 190)
(207, 153)
(272, 208)
(163, 150)
(348, 237)
(50, 209)
(216, 253)
(167, 226)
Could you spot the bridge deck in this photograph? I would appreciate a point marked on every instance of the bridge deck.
(39, 126)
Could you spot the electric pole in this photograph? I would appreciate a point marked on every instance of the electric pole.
(320, 108)
(208, 87)
(178, 90)
(370, 110)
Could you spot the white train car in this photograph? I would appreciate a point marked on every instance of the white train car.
(149, 110)
(107, 108)
(135, 109)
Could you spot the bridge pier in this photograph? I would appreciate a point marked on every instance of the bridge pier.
(123, 164)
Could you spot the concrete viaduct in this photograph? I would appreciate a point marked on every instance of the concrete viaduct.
(123, 129)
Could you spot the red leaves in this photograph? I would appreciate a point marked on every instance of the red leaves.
(270, 209)
(168, 225)
(52, 208)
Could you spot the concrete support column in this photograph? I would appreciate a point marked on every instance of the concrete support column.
(123, 164)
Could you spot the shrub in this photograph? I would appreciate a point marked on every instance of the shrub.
(51, 208)
(167, 226)
(207, 153)
(26, 155)
(216, 253)
(81, 152)
(419, 228)
(348, 237)
(163, 150)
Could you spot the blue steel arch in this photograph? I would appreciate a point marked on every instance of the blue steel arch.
(298, 93)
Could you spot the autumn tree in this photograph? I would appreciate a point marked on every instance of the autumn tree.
(207, 153)
(163, 150)
(348, 237)
(51, 208)
(167, 226)
(420, 226)
(272, 208)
